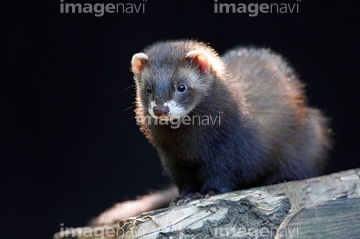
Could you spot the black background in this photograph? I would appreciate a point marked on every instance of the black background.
(69, 149)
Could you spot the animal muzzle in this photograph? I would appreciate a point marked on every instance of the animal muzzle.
(161, 110)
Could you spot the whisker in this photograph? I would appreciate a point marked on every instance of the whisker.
(130, 115)
(130, 86)
(129, 107)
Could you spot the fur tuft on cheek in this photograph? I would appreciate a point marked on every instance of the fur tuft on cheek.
(175, 110)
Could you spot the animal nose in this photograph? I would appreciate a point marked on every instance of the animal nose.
(161, 111)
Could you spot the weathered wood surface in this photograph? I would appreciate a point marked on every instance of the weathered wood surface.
(332, 219)
(322, 207)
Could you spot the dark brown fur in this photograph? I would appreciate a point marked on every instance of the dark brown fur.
(268, 134)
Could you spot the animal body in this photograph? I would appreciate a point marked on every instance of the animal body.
(229, 123)
(223, 123)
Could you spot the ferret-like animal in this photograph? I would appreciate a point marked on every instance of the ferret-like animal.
(229, 123)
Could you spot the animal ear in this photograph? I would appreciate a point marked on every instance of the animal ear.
(200, 58)
(137, 62)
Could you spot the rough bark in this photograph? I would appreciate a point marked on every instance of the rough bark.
(322, 207)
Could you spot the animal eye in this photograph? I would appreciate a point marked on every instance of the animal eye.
(181, 87)
(148, 90)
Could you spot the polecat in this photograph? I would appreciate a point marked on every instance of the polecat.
(224, 124)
